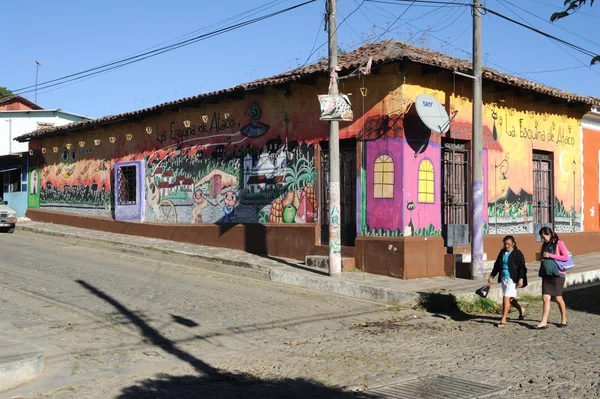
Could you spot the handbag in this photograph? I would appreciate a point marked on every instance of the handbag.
(565, 266)
(483, 291)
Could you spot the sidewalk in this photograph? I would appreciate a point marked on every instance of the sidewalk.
(19, 362)
(292, 272)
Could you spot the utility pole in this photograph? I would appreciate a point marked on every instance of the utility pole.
(37, 68)
(335, 234)
(477, 170)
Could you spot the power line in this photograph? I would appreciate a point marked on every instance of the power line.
(548, 22)
(396, 20)
(153, 53)
(554, 70)
(235, 18)
(553, 42)
(574, 46)
(562, 8)
(445, 3)
(316, 38)
(334, 32)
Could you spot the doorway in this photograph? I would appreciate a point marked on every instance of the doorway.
(456, 182)
(347, 191)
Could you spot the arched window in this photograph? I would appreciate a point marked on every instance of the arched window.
(383, 186)
(426, 182)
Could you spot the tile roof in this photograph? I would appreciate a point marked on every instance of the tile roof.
(383, 53)
(16, 98)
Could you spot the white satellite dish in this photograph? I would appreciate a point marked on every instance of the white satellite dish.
(432, 113)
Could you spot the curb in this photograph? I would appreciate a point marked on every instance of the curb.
(278, 275)
(207, 258)
(346, 288)
(21, 364)
(535, 287)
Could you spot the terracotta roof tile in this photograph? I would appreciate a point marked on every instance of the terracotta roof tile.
(383, 53)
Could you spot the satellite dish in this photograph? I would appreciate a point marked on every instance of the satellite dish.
(432, 113)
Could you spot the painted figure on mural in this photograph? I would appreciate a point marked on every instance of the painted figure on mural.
(68, 156)
(152, 194)
(227, 202)
(34, 182)
(201, 203)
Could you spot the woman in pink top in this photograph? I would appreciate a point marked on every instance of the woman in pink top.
(553, 281)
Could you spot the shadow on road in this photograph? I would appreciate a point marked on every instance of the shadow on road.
(445, 304)
(210, 381)
(171, 387)
(583, 299)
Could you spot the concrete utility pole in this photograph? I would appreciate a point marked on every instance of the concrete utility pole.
(477, 186)
(335, 234)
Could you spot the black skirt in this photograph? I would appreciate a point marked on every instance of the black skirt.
(553, 286)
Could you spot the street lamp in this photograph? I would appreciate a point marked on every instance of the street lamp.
(503, 165)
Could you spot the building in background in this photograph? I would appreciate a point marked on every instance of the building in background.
(17, 117)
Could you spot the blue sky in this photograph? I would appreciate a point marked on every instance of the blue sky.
(71, 36)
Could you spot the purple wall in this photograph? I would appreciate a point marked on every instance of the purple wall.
(385, 213)
(423, 214)
(136, 211)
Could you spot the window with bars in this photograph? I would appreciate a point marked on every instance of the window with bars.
(543, 188)
(383, 173)
(127, 185)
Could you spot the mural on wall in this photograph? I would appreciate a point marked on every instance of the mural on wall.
(221, 169)
(75, 181)
(538, 181)
(531, 165)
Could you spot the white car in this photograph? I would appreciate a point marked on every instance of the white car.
(8, 217)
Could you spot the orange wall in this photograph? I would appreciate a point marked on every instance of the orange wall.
(591, 220)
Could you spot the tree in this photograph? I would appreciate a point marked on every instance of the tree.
(4, 92)
(572, 6)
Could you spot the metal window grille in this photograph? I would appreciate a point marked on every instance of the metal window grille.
(456, 184)
(127, 185)
(543, 190)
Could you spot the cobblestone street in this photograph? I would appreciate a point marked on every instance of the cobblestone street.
(120, 324)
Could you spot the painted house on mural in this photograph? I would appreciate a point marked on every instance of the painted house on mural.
(19, 116)
(258, 158)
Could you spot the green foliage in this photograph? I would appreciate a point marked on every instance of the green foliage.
(4, 92)
(263, 216)
(571, 6)
(430, 230)
(514, 210)
(477, 306)
(179, 195)
(298, 174)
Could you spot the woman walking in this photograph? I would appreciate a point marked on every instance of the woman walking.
(553, 281)
(512, 274)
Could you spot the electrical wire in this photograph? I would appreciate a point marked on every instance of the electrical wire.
(554, 70)
(548, 22)
(394, 23)
(562, 8)
(153, 53)
(553, 42)
(335, 30)
(573, 46)
(446, 3)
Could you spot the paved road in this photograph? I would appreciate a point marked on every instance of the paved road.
(118, 324)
